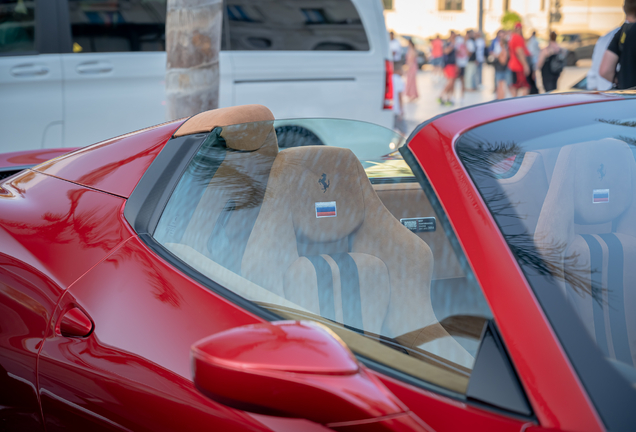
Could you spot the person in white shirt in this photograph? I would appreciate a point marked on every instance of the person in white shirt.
(480, 45)
(594, 80)
(395, 47)
(533, 46)
(471, 65)
(461, 56)
(398, 89)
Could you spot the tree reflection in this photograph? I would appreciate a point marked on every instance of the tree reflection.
(540, 253)
(618, 122)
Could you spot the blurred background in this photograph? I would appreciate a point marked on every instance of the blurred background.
(74, 72)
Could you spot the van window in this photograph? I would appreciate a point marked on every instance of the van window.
(116, 26)
(313, 25)
(17, 25)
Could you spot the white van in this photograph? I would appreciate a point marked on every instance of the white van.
(74, 72)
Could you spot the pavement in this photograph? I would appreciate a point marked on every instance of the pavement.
(430, 86)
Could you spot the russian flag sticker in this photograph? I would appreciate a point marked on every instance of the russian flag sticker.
(600, 196)
(326, 209)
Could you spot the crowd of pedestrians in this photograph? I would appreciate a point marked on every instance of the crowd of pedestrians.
(459, 58)
(516, 61)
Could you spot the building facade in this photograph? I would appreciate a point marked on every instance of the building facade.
(429, 17)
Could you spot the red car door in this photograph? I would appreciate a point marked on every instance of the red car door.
(132, 372)
(40, 231)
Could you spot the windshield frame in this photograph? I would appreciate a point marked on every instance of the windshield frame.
(607, 389)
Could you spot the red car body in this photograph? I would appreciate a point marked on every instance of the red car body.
(65, 245)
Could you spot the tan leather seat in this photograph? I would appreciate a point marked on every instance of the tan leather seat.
(587, 234)
(358, 265)
(242, 155)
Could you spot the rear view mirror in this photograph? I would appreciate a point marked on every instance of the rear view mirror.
(294, 369)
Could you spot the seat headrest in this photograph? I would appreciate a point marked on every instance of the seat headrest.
(324, 191)
(245, 127)
(603, 175)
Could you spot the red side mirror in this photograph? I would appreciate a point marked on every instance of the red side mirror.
(293, 369)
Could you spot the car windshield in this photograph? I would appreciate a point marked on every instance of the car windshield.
(322, 219)
(561, 185)
(567, 38)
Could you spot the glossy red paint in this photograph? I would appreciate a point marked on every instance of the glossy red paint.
(134, 368)
(407, 422)
(443, 413)
(288, 368)
(533, 346)
(279, 346)
(60, 228)
(51, 233)
(74, 323)
(116, 165)
(31, 157)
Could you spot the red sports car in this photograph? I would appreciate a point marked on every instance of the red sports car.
(230, 272)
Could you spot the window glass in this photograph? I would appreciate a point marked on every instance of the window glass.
(564, 195)
(291, 25)
(450, 5)
(323, 220)
(117, 25)
(17, 25)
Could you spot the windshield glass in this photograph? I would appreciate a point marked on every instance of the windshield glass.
(561, 185)
(322, 219)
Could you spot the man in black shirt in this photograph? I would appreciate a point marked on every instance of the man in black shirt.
(622, 50)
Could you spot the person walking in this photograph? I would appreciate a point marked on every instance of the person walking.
(411, 73)
(533, 47)
(594, 80)
(518, 62)
(491, 52)
(471, 66)
(437, 54)
(395, 47)
(500, 63)
(480, 54)
(551, 62)
(461, 57)
(398, 91)
(450, 70)
(622, 51)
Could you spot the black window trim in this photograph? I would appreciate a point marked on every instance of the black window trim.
(146, 203)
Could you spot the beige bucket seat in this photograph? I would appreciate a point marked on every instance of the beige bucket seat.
(587, 235)
(324, 240)
(240, 159)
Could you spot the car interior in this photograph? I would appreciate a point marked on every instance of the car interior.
(577, 203)
(258, 230)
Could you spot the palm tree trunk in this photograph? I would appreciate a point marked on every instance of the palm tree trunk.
(193, 41)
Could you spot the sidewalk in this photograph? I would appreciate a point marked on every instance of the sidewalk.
(430, 86)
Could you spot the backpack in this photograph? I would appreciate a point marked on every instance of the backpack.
(557, 62)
